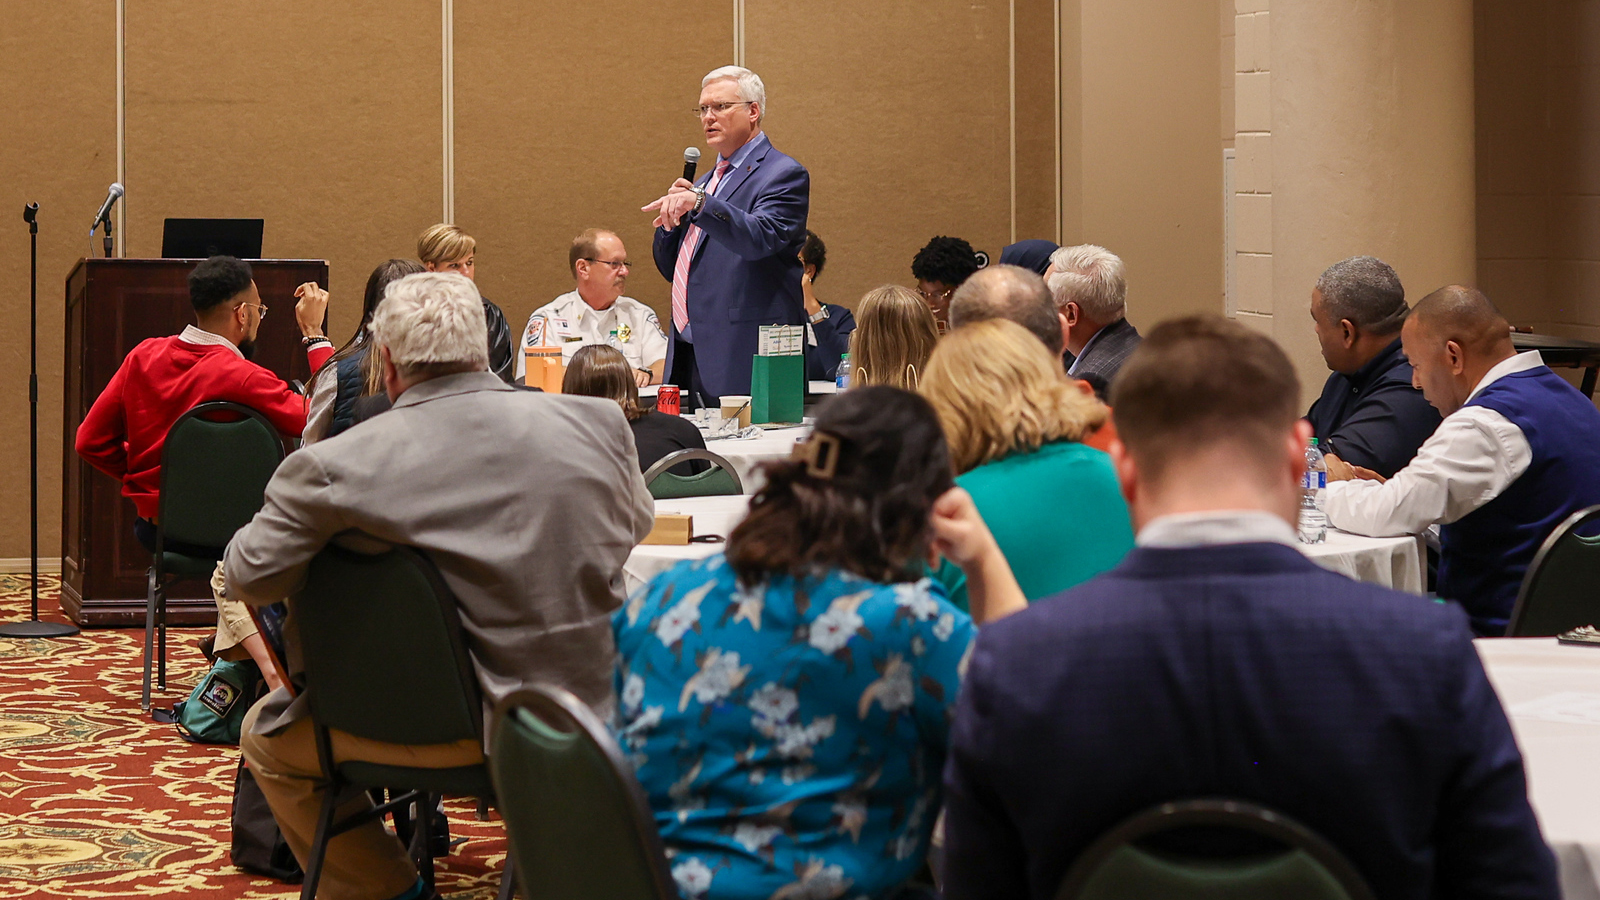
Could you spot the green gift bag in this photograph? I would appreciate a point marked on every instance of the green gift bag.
(777, 389)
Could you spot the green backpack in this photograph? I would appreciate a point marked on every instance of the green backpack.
(214, 712)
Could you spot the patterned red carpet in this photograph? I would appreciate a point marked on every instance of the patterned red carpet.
(97, 801)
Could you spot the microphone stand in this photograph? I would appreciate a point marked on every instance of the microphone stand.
(106, 233)
(35, 628)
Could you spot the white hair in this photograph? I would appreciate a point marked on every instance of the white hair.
(1092, 277)
(432, 321)
(750, 85)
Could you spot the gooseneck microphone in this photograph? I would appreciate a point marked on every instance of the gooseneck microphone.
(105, 208)
(691, 158)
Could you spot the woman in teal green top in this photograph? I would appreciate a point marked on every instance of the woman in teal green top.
(1016, 425)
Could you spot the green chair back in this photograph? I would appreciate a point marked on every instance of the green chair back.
(1562, 588)
(1212, 850)
(215, 466)
(578, 822)
(380, 637)
(717, 481)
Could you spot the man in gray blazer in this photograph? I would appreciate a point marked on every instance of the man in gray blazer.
(528, 503)
(1091, 291)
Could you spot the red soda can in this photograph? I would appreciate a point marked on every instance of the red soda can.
(667, 399)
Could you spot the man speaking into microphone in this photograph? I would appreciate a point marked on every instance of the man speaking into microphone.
(730, 242)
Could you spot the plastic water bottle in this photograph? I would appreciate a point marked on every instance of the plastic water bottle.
(841, 379)
(614, 341)
(1313, 521)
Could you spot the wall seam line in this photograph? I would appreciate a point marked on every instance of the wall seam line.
(448, 107)
(1011, 59)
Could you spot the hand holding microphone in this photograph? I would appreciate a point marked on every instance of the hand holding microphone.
(680, 198)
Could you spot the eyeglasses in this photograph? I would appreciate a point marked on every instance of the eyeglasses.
(625, 264)
(260, 306)
(931, 296)
(700, 112)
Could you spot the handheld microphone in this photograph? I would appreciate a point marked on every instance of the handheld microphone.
(691, 158)
(105, 208)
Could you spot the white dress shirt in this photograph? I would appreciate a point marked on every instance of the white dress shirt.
(1212, 527)
(194, 335)
(1473, 456)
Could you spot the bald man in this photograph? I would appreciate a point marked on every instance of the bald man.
(1517, 452)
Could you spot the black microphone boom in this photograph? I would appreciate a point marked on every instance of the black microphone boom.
(691, 158)
(105, 208)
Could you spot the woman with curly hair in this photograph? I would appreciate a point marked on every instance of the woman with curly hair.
(1016, 424)
(940, 267)
(787, 704)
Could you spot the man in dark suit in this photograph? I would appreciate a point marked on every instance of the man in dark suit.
(1369, 414)
(1090, 288)
(1217, 661)
(730, 243)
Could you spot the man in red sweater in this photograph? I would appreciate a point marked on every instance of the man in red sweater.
(163, 378)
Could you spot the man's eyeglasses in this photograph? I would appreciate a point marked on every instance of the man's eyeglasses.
(700, 112)
(931, 296)
(624, 264)
(260, 306)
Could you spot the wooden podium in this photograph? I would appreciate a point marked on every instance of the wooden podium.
(112, 305)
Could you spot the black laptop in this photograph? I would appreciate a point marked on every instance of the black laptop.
(200, 238)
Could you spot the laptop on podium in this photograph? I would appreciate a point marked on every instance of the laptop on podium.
(200, 238)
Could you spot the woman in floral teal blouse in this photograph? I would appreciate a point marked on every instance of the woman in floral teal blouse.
(786, 703)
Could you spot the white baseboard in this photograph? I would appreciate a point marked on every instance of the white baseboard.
(22, 565)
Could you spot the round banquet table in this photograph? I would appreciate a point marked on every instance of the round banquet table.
(746, 454)
(1551, 693)
(1394, 562)
(1391, 562)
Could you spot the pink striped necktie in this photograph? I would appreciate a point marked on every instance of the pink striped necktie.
(680, 272)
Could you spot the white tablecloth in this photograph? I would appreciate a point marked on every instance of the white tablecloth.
(1551, 692)
(1394, 562)
(712, 515)
(746, 454)
(1391, 562)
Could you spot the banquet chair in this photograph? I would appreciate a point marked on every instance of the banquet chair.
(215, 465)
(1562, 588)
(385, 659)
(719, 480)
(1212, 849)
(578, 823)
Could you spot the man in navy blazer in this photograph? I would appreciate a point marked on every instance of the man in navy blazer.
(1217, 661)
(730, 242)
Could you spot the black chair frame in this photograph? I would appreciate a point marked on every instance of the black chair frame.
(1566, 531)
(1214, 813)
(159, 581)
(559, 708)
(682, 456)
(337, 791)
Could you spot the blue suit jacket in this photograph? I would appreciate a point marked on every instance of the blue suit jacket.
(746, 271)
(1243, 671)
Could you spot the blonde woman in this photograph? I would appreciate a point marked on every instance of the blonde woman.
(1016, 424)
(894, 334)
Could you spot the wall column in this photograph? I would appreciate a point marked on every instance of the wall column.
(1372, 149)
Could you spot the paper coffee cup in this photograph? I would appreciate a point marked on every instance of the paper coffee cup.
(737, 405)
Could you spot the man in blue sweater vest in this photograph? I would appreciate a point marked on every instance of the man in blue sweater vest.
(1217, 661)
(1517, 453)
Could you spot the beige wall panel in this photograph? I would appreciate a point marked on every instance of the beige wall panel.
(1152, 170)
(1072, 125)
(1372, 151)
(1036, 91)
(571, 117)
(58, 148)
(900, 112)
(320, 116)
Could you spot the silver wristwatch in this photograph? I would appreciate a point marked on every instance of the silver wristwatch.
(699, 201)
(821, 315)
